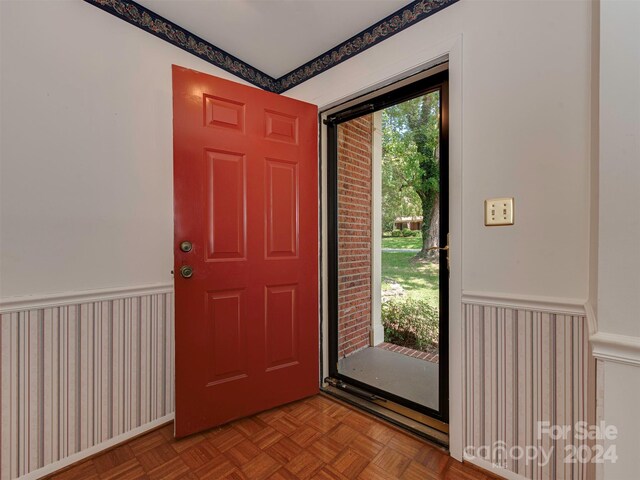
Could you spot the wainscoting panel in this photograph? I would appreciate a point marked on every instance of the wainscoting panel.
(523, 367)
(76, 375)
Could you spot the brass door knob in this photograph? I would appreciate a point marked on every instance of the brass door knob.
(186, 246)
(186, 271)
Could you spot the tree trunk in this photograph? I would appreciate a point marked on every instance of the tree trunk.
(430, 227)
(434, 228)
(429, 174)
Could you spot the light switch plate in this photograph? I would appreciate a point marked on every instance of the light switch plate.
(498, 211)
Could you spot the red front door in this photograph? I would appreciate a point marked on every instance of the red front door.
(245, 197)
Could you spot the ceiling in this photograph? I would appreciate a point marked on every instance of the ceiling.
(273, 44)
(275, 36)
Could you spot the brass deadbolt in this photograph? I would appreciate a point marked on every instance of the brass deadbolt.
(186, 271)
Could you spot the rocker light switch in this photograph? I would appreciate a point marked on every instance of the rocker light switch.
(498, 211)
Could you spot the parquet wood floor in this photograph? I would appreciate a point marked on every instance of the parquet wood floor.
(315, 438)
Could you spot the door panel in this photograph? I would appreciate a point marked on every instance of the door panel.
(282, 208)
(245, 195)
(227, 332)
(282, 341)
(226, 214)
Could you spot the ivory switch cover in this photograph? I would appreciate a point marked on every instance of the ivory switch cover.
(498, 211)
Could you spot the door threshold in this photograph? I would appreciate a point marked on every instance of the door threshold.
(434, 431)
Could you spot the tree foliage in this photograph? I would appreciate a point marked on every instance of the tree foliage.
(410, 166)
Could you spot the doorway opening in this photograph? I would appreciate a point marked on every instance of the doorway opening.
(388, 229)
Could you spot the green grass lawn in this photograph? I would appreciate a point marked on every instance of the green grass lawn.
(419, 279)
(402, 242)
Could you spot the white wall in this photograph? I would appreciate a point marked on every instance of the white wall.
(86, 189)
(621, 397)
(619, 239)
(86, 143)
(86, 203)
(86, 147)
(617, 341)
(526, 133)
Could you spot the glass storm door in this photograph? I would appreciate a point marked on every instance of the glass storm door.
(388, 252)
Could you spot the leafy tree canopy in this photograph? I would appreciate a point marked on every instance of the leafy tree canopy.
(410, 165)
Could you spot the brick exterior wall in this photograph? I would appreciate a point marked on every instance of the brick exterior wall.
(354, 234)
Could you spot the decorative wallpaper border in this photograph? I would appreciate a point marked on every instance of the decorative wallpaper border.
(151, 22)
(376, 33)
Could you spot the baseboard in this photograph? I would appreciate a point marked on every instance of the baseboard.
(92, 451)
(491, 468)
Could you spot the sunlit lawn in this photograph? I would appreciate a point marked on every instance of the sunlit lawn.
(401, 242)
(419, 279)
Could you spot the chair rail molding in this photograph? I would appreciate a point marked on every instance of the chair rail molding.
(592, 319)
(617, 348)
(560, 305)
(36, 302)
(609, 346)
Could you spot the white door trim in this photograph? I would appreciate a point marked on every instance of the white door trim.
(376, 231)
(451, 48)
(456, 402)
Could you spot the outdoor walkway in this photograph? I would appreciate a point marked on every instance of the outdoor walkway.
(433, 357)
(393, 372)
